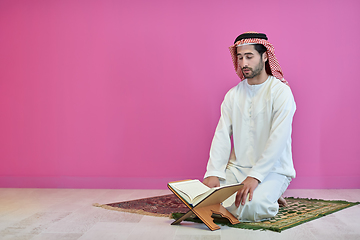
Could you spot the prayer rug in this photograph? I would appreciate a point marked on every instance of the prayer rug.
(298, 211)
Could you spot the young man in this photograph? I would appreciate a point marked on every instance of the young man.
(258, 114)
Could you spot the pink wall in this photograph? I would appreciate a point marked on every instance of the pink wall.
(126, 94)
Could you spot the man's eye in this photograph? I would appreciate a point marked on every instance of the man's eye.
(240, 58)
(249, 57)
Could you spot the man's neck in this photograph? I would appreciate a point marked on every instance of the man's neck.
(259, 79)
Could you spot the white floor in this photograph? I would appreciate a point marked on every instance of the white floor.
(68, 214)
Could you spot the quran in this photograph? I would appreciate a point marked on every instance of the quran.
(194, 191)
(204, 201)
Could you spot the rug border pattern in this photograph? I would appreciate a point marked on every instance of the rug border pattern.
(254, 226)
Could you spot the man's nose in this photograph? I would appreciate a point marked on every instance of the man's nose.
(244, 63)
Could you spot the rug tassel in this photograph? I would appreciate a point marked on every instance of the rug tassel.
(140, 211)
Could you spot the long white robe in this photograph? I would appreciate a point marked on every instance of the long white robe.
(259, 119)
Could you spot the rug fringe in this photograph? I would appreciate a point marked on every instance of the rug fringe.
(323, 200)
(140, 211)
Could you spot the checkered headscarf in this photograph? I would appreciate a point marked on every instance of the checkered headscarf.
(272, 65)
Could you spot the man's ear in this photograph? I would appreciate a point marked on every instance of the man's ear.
(265, 56)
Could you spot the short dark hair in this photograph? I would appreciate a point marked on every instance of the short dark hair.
(260, 49)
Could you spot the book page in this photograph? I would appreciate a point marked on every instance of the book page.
(192, 188)
(201, 197)
(220, 194)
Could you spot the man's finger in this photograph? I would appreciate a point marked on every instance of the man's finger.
(243, 200)
(238, 198)
(250, 195)
(244, 196)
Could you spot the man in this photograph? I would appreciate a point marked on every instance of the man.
(257, 114)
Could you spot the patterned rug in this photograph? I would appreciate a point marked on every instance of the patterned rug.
(298, 211)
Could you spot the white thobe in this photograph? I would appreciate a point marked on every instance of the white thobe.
(259, 119)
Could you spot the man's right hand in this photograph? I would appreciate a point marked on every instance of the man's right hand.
(212, 182)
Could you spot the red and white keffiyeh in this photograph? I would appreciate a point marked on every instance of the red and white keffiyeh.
(273, 68)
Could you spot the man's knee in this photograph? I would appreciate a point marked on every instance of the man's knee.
(258, 209)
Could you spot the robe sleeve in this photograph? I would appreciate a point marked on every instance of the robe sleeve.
(280, 132)
(221, 143)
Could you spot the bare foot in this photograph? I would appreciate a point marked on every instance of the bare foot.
(282, 202)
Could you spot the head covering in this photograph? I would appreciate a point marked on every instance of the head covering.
(272, 65)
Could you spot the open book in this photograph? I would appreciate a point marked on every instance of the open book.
(194, 191)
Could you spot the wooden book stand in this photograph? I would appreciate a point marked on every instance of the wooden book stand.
(210, 205)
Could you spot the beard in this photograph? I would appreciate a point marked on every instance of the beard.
(253, 72)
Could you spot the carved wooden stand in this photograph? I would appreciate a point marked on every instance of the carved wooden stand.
(209, 206)
(205, 213)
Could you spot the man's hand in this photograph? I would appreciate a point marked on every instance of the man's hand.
(250, 184)
(212, 182)
(282, 202)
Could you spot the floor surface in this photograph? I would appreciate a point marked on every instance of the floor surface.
(47, 214)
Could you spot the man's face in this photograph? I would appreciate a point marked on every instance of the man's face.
(250, 61)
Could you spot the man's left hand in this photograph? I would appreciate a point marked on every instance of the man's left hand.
(250, 184)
